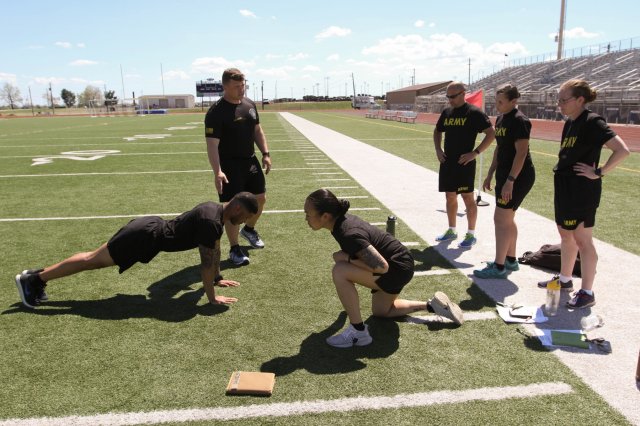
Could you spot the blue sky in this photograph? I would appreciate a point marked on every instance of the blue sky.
(295, 48)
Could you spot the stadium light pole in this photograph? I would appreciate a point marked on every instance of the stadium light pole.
(561, 30)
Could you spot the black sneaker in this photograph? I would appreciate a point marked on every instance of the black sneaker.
(568, 286)
(581, 300)
(238, 257)
(43, 295)
(28, 290)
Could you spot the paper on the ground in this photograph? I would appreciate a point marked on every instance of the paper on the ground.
(536, 314)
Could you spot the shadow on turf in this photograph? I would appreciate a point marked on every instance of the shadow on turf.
(160, 303)
(317, 357)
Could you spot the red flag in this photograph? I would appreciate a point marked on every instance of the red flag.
(476, 98)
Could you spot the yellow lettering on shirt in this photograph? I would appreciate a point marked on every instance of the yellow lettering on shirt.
(208, 131)
(569, 142)
(501, 131)
(455, 121)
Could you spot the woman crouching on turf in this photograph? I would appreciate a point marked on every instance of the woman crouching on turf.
(515, 176)
(372, 258)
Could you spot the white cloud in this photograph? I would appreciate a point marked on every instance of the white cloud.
(297, 56)
(432, 24)
(248, 14)
(176, 75)
(278, 73)
(334, 57)
(272, 56)
(419, 23)
(81, 45)
(64, 44)
(47, 80)
(216, 65)
(82, 63)
(333, 31)
(310, 68)
(9, 78)
(577, 32)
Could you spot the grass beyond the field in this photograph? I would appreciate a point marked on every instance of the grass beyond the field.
(146, 340)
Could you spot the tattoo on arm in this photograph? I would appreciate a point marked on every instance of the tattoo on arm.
(372, 258)
(210, 258)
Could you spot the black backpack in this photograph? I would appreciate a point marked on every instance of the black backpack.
(548, 257)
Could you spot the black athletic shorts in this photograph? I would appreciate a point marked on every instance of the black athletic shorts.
(454, 177)
(399, 274)
(576, 199)
(243, 174)
(521, 187)
(136, 242)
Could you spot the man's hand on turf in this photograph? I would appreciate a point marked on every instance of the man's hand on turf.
(227, 283)
(223, 300)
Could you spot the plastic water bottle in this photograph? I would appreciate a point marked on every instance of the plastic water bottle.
(591, 322)
(553, 298)
(391, 225)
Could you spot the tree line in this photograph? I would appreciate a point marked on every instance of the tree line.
(91, 96)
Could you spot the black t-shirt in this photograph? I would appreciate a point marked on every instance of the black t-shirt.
(201, 225)
(511, 127)
(234, 125)
(582, 141)
(461, 126)
(354, 234)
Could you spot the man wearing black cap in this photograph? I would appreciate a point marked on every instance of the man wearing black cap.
(232, 126)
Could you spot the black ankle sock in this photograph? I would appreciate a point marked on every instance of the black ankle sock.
(430, 308)
(511, 259)
(249, 228)
(359, 326)
(237, 246)
(39, 281)
(499, 266)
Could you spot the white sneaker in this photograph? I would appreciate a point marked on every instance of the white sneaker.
(444, 307)
(350, 337)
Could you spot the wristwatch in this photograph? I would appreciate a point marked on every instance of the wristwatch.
(266, 154)
(598, 172)
(510, 178)
(217, 279)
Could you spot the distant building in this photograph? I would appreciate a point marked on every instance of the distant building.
(405, 98)
(166, 101)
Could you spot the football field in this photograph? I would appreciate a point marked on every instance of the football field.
(144, 347)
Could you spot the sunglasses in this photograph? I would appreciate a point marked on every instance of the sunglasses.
(455, 96)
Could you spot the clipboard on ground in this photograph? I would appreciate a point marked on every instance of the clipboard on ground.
(251, 383)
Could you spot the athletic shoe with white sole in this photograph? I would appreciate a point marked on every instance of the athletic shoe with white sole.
(468, 242)
(443, 306)
(27, 290)
(253, 237)
(351, 337)
(581, 300)
(238, 257)
(447, 236)
(568, 286)
(43, 295)
(509, 266)
(491, 271)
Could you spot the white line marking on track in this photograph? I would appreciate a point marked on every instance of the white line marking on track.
(431, 272)
(297, 408)
(159, 172)
(35, 219)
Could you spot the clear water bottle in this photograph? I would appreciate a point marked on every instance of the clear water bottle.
(591, 322)
(553, 298)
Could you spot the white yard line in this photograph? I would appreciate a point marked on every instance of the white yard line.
(297, 408)
(118, 216)
(157, 172)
